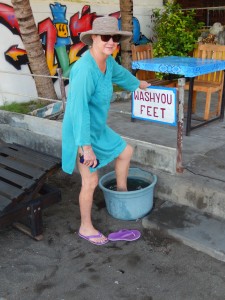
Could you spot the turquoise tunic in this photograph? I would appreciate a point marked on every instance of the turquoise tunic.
(88, 102)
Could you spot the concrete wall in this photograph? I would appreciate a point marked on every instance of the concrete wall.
(45, 136)
(19, 87)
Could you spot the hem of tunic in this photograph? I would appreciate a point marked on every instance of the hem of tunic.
(109, 160)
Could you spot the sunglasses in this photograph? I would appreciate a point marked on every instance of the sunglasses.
(116, 38)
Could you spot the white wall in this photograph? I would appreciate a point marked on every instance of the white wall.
(13, 85)
(20, 88)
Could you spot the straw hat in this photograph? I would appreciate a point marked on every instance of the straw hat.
(104, 26)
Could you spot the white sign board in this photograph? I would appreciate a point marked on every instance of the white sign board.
(157, 104)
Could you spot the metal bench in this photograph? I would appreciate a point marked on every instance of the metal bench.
(23, 191)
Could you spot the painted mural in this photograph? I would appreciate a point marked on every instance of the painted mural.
(59, 36)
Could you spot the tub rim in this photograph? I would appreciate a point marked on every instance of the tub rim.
(151, 185)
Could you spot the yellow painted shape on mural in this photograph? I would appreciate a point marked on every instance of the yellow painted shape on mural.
(62, 30)
(74, 49)
(15, 52)
(51, 66)
(116, 51)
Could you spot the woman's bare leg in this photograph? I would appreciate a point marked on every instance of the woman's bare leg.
(122, 165)
(89, 183)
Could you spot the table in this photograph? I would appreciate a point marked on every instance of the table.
(189, 67)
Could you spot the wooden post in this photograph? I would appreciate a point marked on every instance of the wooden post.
(180, 126)
(62, 88)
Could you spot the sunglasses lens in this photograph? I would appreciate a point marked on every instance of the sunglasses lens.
(115, 38)
(105, 38)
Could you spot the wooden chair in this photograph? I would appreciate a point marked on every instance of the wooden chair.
(208, 83)
(140, 52)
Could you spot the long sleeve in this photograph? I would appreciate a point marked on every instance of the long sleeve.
(123, 77)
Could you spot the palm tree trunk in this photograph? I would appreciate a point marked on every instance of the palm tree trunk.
(126, 10)
(33, 46)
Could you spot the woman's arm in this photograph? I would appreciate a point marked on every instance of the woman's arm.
(122, 77)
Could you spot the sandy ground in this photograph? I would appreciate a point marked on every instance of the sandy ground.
(63, 266)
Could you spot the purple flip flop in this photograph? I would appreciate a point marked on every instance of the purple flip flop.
(124, 235)
(89, 237)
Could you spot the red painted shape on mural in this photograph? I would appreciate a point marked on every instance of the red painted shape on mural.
(115, 14)
(14, 52)
(48, 29)
(84, 23)
(8, 17)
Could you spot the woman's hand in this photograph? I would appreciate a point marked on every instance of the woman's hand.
(144, 84)
(89, 156)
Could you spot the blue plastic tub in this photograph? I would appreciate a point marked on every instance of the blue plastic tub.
(129, 205)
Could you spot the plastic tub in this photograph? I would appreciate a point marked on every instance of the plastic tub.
(130, 205)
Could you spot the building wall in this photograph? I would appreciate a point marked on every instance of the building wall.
(67, 49)
(208, 11)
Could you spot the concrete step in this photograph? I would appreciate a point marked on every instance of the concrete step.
(200, 231)
(199, 192)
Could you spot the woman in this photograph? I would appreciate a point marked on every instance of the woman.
(85, 131)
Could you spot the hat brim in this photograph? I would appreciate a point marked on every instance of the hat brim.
(86, 38)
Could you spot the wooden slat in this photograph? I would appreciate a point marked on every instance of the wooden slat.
(142, 52)
(35, 153)
(22, 168)
(28, 157)
(9, 191)
(4, 202)
(21, 181)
